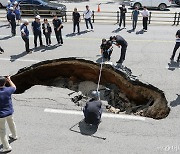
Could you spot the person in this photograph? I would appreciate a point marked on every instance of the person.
(36, 28)
(123, 12)
(145, 15)
(76, 20)
(177, 45)
(8, 12)
(12, 20)
(25, 34)
(6, 112)
(87, 14)
(106, 49)
(93, 110)
(17, 12)
(120, 41)
(47, 31)
(1, 50)
(57, 23)
(134, 17)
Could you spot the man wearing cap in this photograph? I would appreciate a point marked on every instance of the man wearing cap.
(25, 34)
(57, 23)
(12, 20)
(6, 113)
(36, 28)
(120, 41)
(92, 110)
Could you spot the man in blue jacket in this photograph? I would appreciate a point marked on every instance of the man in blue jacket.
(36, 28)
(25, 34)
(12, 20)
(6, 112)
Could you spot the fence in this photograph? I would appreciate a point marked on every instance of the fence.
(109, 17)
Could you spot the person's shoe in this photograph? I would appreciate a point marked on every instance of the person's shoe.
(6, 150)
(92, 30)
(12, 137)
(87, 30)
(172, 59)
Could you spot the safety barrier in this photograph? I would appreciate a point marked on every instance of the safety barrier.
(108, 17)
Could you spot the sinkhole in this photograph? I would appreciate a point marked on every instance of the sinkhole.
(123, 91)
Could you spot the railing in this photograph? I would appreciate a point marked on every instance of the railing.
(109, 17)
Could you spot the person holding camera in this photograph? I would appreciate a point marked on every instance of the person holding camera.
(106, 49)
(6, 112)
(57, 23)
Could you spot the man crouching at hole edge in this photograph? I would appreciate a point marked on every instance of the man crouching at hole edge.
(92, 110)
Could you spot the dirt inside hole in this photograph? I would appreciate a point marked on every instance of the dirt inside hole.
(123, 92)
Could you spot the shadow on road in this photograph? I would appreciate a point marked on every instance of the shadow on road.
(15, 57)
(6, 38)
(7, 26)
(175, 102)
(173, 65)
(117, 30)
(140, 32)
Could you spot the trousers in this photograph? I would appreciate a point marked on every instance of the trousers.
(122, 18)
(177, 45)
(26, 40)
(12, 127)
(145, 20)
(40, 39)
(88, 20)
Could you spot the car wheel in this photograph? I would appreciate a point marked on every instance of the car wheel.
(162, 7)
(138, 5)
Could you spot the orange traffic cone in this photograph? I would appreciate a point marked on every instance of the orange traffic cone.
(98, 10)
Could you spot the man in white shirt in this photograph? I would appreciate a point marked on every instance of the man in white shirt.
(87, 14)
(145, 14)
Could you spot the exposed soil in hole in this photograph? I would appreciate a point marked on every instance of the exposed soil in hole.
(118, 88)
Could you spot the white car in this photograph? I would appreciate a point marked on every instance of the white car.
(3, 3)
(161, 4)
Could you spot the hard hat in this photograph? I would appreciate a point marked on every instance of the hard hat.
(95, 94)
(38, 17)
(11, 8)
(9, 2)
(15, 2)
(25, 21)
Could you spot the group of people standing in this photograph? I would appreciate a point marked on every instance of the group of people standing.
(37, 31)
(134, 17)
(13, 14)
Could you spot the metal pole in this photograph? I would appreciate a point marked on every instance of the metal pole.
(150, 17)
(175, 16)
(117, 17)
(93, 16)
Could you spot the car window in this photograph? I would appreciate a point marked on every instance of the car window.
(24, 2)
(36, 2)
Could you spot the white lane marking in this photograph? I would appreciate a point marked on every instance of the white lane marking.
(23, 60)
(105, 115)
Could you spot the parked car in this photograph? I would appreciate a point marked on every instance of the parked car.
(160, 4)
(41, 7)
(177, 2)
(3, 3)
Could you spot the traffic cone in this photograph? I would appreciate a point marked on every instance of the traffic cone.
(98, 10)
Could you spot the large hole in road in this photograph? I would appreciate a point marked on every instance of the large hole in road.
(119, 88)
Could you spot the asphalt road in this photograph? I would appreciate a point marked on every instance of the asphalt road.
(44, 132)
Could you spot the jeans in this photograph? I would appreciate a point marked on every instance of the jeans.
(13, 28)
(36, 35)
(122, 18)
(26, 40)
(145, 20)
(74, 26)
(12, 128)
(177, 45)
(123, 53)
(48, 38)
(88, 20)
(134, 24)
(59, 36)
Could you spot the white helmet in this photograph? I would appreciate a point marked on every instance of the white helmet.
(25, 21)
(11, 8)
(15, 2)
(9, 2)
(38, 17)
